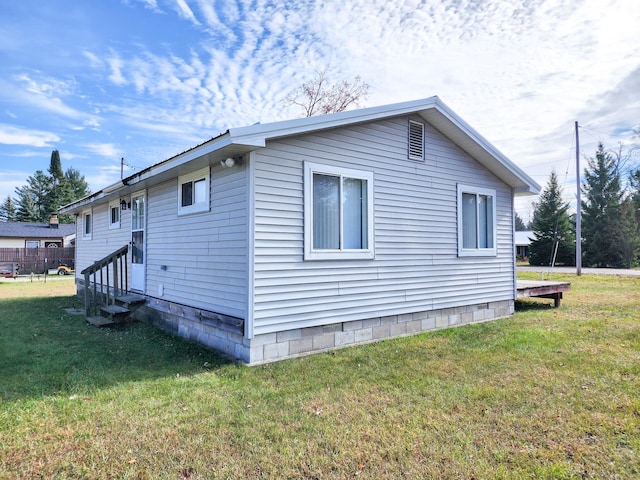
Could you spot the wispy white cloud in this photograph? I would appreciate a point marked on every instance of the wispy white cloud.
(520, 72)
(185, 11)
(103, 149)
(12, 135)
(115, 64)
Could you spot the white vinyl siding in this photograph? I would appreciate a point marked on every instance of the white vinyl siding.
(338, 213)
(416, 265)
(103, 240)
(200, 260)
(193, 192)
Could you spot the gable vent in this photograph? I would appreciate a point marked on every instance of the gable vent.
(416, 140)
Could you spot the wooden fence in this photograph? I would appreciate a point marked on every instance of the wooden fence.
(38, 260)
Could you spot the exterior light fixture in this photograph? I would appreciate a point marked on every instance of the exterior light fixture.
(124, 205)
(231, 162)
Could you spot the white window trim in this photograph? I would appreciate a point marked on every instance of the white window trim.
(342, 254)
(476, 252)
(85, 235)
(203, 173)
(114, 204)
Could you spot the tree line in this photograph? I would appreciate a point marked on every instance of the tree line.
(44, 194)
(610, 216)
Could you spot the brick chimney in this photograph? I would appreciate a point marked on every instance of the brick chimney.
(53, 221)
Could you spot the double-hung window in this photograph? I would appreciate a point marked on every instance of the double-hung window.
(476, 221)
(114, 214)
(193, 192)
(87, 225)
(338, 213)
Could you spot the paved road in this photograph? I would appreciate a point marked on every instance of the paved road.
(586, 271)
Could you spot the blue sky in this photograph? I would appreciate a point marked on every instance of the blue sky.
(146, 79)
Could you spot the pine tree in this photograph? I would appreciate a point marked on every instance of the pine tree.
(552, 228)
(628, 236)
(27, 210)
(55, 167)
(519, 223)
(45, 194)
(8, 210)
(601, 216)
(78, 187)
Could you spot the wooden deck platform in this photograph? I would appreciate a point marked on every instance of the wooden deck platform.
(542, 289)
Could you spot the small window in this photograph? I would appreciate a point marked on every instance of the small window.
(416, 140)
(476, 221)
(114, 214)
(338, 213)
(87, 224)
(32, 243)
(193, 192)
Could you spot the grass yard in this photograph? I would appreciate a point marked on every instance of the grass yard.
(544, 394)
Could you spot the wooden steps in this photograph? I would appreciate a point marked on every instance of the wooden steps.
(117, 312)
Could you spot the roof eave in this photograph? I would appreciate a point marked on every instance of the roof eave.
(207, 153)
(447, 122)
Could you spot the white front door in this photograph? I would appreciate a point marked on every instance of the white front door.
(138, 222)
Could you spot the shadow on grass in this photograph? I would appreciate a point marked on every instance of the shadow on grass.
(529, 305)
(44, 350)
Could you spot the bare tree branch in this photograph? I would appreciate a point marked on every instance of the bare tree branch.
(319, 96)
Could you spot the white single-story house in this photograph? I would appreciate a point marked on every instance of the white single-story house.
(522, 241)
(281, 239)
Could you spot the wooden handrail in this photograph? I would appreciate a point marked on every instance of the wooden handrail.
(106, 260)
(118, 260)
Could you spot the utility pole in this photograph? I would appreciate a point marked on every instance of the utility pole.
(578, 209)
(122, 167)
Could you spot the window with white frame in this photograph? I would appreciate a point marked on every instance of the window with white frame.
(87, 224)
(114, 214)
(476, 221)
(338, 214)
(193, 192)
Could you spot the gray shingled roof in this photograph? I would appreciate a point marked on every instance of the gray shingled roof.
(35, 230)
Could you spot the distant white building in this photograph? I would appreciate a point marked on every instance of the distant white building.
(522, 241)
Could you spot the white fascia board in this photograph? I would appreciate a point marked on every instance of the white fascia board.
(257, 135)
(179, 160)
(149, 173)
(487, 154)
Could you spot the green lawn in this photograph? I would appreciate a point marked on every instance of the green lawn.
(544, 394)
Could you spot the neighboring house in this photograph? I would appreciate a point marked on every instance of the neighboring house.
(36, 235)
(522, 241)
(280, 239)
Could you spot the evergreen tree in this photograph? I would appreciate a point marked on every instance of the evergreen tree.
(628, 234)
(553, 233)
(26, 211)
(601, 216)
(55, 167)
(634, 184)
(45, 194)
(634, 197)
(520, 225)
(78, 187)
(8, 210)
